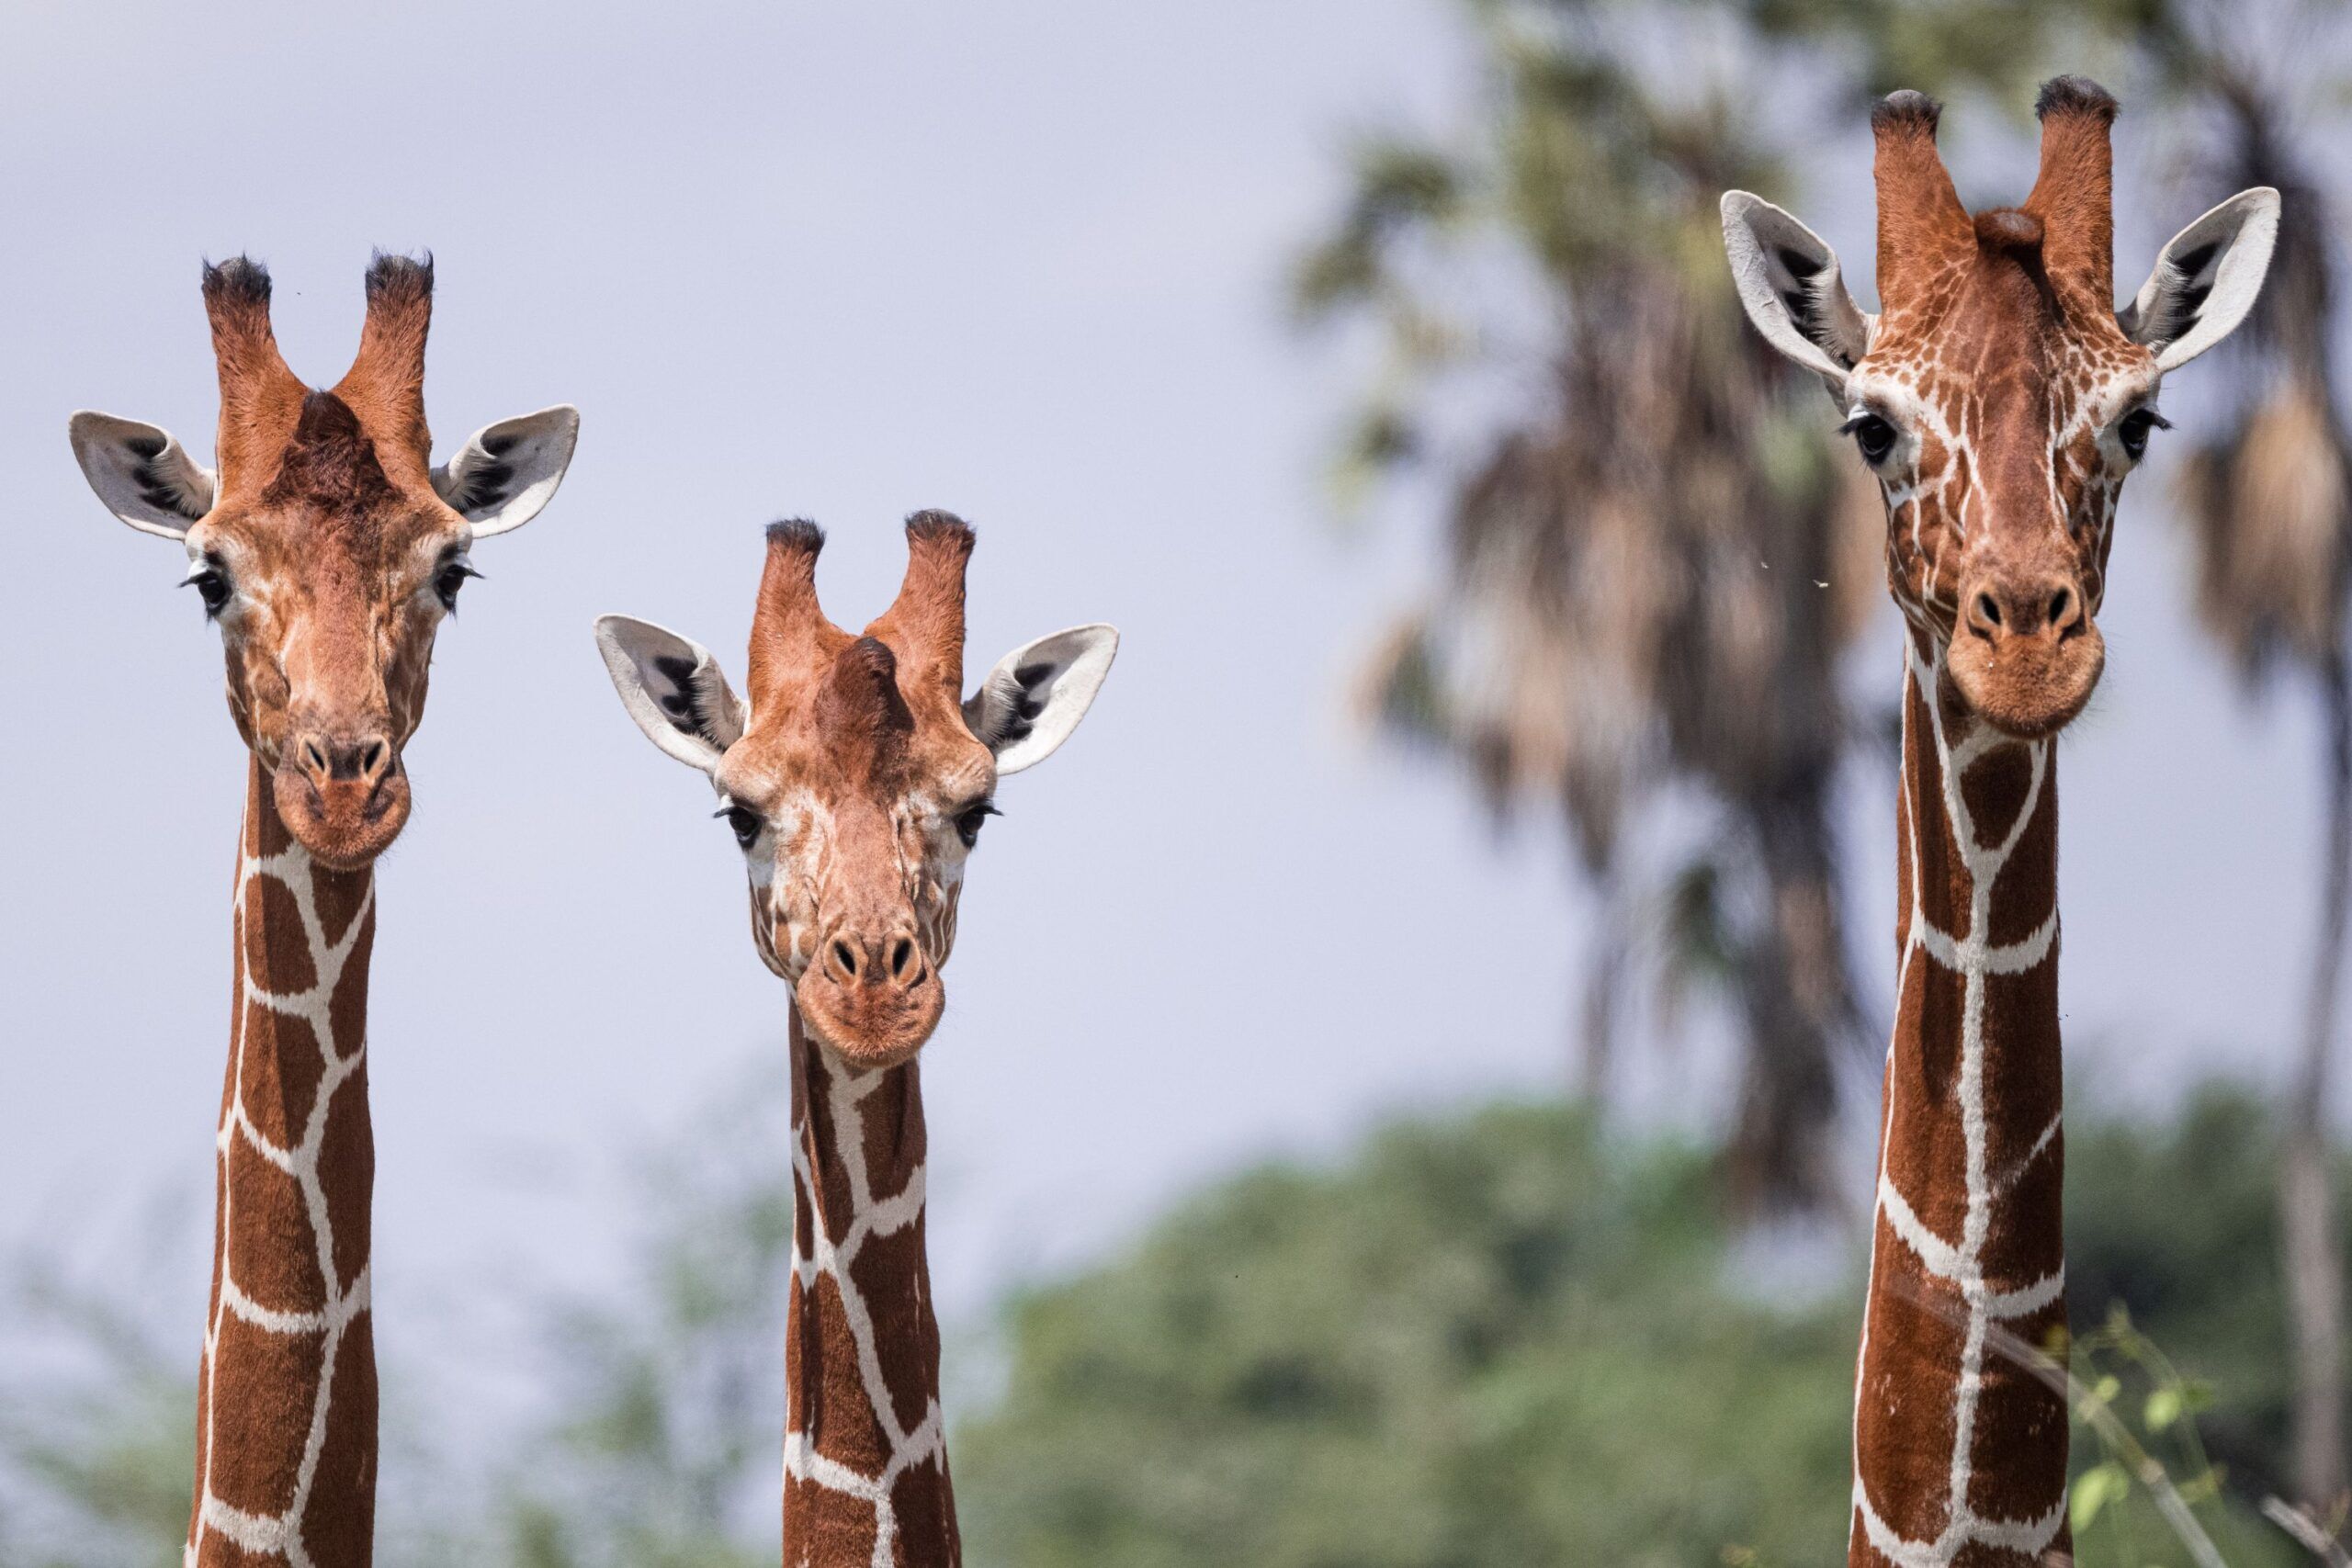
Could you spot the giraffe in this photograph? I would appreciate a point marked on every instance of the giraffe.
(2000, 398)
(856, 780)
(327, 550)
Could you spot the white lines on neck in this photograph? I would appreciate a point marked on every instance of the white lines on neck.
(1973, 958)
(282, 1533)
(846, 1093)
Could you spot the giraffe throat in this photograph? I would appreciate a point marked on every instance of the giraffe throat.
(865, 1482)
(286, 1412)
(1960, 1451)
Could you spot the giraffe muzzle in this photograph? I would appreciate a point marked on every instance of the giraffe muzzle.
(2026, 654)
(343, 795)
(873, 995)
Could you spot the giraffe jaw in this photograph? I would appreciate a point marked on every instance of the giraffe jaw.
(342, 826)
(2028, 689)
(866, 1027)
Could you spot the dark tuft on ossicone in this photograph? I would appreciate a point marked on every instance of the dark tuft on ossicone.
(399, 278)
(944, 527)
(2074, 95)
(240, 280)
(796, 534)
(1906, 110)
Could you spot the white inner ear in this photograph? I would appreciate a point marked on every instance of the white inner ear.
(1790, 285)
(1036, 694)
(142, 473)
(506, 472)
(673, 688)
(2205, 280)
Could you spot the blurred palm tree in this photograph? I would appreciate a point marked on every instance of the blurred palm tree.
(2269, 507)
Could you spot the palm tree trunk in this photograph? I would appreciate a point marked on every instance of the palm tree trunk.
(1603, 978)
(1798, 998)
(2314, 1263)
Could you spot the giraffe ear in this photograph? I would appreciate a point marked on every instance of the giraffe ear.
(2205, 280)
(1036, 696)
(144, 476)
(1788, 281)
(673, 688)
(506, 472)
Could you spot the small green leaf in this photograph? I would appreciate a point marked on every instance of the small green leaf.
(2100, 1485)
(2107, 1388)
(2163, 1409)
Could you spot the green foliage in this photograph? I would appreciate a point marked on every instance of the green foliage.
(95, 1474)
(2146, 1492)
(2004, 46)
(1501, 1341)
(1506, 1339)
(2179, 1226)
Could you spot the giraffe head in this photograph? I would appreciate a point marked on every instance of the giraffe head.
(2000, 396)
(857, 775)
(326, 546)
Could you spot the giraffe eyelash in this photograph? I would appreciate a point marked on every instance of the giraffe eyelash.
(2131, 432)
(1873, 433)
(210, 581)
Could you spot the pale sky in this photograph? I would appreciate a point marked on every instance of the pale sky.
(1022, 262)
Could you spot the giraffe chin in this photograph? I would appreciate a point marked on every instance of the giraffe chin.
(2029, 690)
(344, 825)
(869, 1027)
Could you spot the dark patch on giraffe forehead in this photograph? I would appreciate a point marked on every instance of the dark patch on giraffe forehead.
(330, 462)
(861, 716)
(330, 499)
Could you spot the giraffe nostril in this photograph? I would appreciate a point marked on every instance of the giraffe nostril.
(902, 958)
(313, 757)
(2059, 604)
(371, 757)
(1988, 610)
(845, 959)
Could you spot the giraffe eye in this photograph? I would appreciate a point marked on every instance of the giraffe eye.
(449, 579)
(2134, 430)
(212, 585)
(745, 823)
(968, 820)
(1873, 434)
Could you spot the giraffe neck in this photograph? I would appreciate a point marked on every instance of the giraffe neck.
(1960, 1451)
(864, 1449)
(285, 1408)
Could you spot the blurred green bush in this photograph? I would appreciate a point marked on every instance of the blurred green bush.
(1510, 1340)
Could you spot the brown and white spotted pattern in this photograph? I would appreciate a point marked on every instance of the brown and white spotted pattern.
(864, 1457)
(1959, 1452)
(287, 1390)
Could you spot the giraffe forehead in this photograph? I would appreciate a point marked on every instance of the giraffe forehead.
(1997, 322)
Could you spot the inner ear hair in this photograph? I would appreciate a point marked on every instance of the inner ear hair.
(1021, 714)
(681, 702)
(157, 486)
(2192, 274)
(475, 485)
